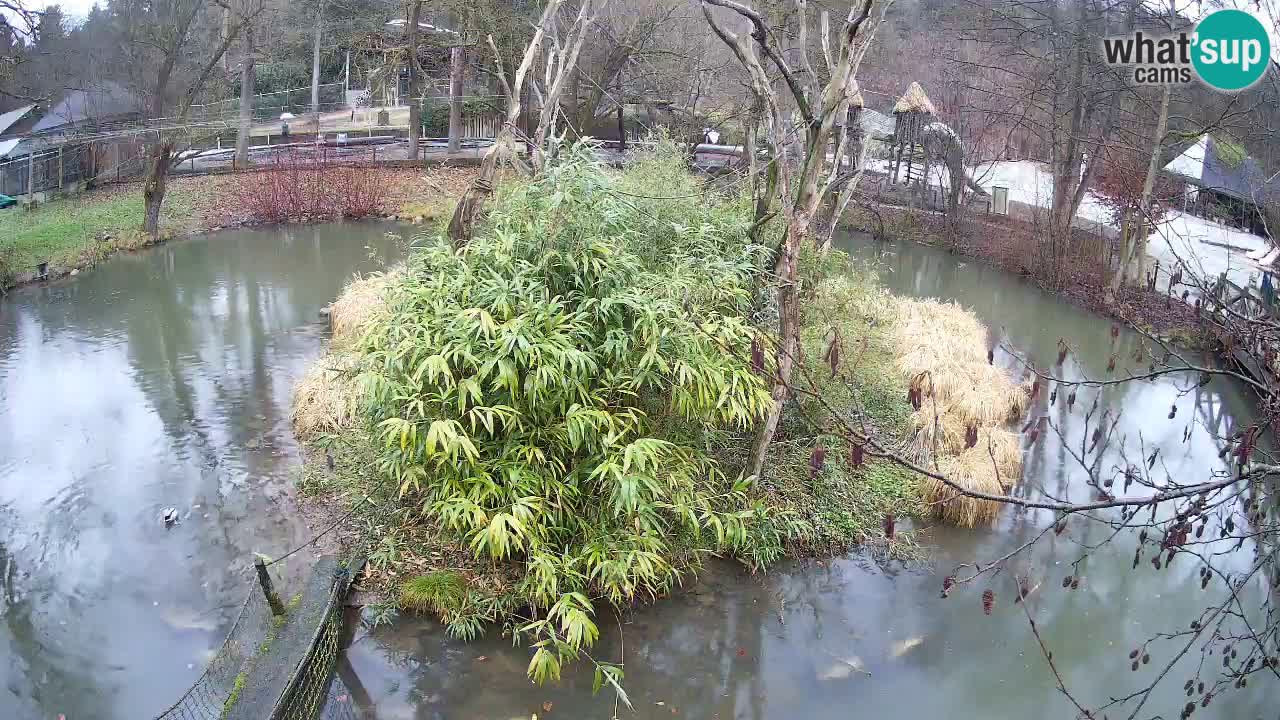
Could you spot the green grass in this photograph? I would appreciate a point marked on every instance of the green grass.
(64, 232)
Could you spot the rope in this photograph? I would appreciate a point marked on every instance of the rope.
(324, 532)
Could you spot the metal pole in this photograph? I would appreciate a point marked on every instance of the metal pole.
(31, 176)
(60, 174)
(264, 579)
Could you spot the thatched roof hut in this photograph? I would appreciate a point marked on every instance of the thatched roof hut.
(914, 101)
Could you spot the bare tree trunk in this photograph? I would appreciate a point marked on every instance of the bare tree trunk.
(248, 79)
(153, 188)
(472, 203)
(787, 271)
(622, 130)
(1134, 248)
(315, 66)
(457, 65)
(787, 275)
(415, 91)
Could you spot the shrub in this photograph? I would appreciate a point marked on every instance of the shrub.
(294, 188)
(549, 394)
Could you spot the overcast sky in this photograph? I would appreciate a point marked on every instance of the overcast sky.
(1268, 11)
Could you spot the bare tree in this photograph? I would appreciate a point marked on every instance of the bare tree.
(559, 65)
(18, 24)
(798, 149)
(457, 64)
(412, 32)
(248, 81)
(171, 66)
(315, 65)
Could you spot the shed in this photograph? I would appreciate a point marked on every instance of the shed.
(1225, 182)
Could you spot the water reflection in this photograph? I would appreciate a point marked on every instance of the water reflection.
(846, 638)
(158, 379)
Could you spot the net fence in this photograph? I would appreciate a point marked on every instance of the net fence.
(218, 687)
(309, 690)
(236, 683)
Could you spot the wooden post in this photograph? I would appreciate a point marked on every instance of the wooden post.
(622, 131)
(60, 167)
(264, 579)
(31, 176)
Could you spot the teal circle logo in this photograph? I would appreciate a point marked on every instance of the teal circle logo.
(1232, 50)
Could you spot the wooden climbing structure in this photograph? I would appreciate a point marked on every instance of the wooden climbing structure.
(912, 112)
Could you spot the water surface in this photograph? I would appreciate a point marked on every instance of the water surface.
(159, 379)
(163, 379)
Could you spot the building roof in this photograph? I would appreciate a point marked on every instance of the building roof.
(108, 100)
(914, 100)
(1223, 167)
(7, 146)
(11, 118)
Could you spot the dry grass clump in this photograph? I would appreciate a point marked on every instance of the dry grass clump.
(361, 302)
(973, 470)
(328, 398)
(964, 405)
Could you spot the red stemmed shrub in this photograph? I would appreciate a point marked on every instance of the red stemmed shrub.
(303, 189)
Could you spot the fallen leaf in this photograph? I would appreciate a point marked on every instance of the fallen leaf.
(742, 652)
(482, 658)
(546, 706)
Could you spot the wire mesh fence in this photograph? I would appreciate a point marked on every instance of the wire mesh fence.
(259, 643)
(46, 170)
(268, 106)
(217, 688)
(309, 689)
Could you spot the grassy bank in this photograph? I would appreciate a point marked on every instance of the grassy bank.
(558, 419)
(77, 232)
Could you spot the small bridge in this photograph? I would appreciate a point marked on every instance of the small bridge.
(277, 662)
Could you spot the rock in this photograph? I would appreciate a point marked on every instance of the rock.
(253, 443)
(169, 516)
(75, 272)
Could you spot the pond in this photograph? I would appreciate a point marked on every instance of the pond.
(849, 637)
(162, 379)
(159, 379)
